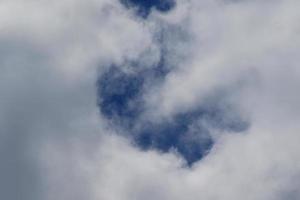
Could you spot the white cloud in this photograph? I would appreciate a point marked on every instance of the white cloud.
(230, 41)
(54, 144)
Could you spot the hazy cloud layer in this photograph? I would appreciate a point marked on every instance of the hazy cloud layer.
(238, 58)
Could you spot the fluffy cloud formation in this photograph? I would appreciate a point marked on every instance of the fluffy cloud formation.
(55, 143)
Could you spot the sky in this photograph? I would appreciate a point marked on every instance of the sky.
(149, 99)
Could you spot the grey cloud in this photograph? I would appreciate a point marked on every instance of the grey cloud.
(54, 144)
(49, 63)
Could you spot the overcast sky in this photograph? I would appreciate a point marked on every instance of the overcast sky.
(144, 100)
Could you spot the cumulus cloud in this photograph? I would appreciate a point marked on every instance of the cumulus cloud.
(235, 62)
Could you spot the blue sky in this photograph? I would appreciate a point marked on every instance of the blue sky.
(164, 100)
(144, 7)
(121, 101)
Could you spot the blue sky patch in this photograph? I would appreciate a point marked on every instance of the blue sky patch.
(121, 102)
(121, 91)
(143, 7)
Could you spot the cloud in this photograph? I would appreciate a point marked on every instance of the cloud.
(237, 58)
(50, 56)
